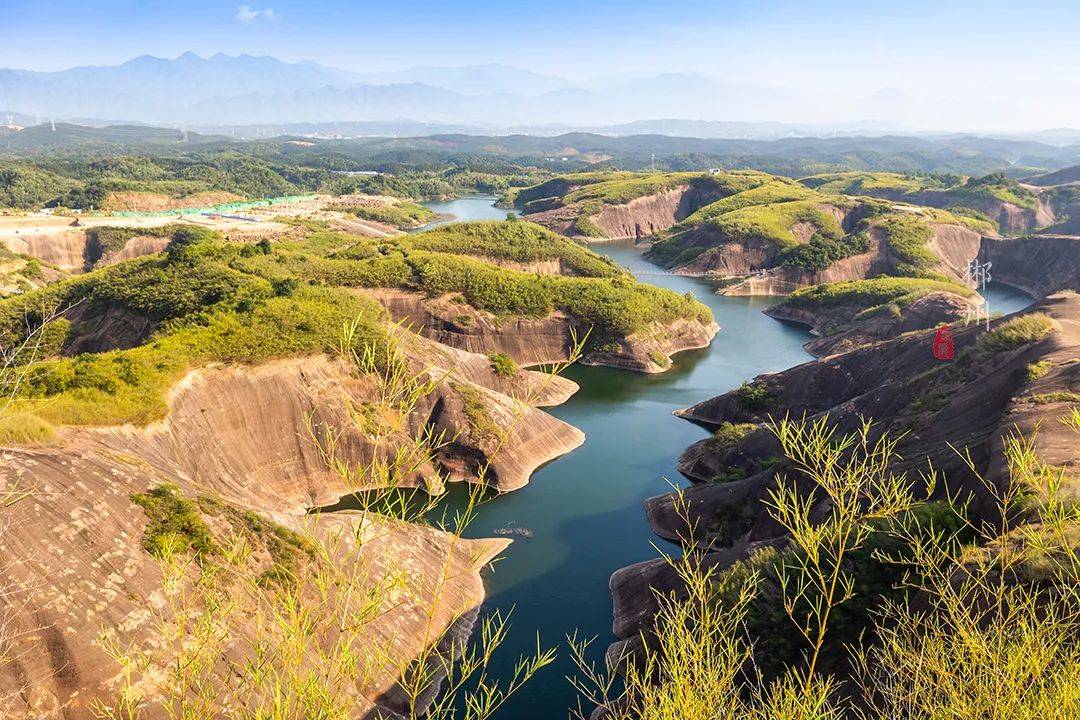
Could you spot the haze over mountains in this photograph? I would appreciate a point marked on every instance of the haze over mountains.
(244, 90)
(222, 90)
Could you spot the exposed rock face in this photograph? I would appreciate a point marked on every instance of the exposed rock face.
(651, 349)
(645, 216)
(838, 329)
(66, 249)
(71, 250)
(784, 280)
(530, 341)
(957, 246)
(537, 341)
(638, 218)
(973, 404)
(136, 247)
(726, 257)
(247, 435)
(1038, 264)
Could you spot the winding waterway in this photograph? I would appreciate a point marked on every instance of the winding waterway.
(585, 509)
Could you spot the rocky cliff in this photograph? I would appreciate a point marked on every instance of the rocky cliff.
(543, 340)
(1022, 375)
(850, 325)
(255, 437)
(1038, 264)
(641, 205)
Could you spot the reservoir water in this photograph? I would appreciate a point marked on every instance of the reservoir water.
(584, 509)
(465, 209)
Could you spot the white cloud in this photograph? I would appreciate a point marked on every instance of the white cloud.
(246, 15)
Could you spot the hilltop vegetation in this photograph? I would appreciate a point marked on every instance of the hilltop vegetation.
(765, 211)
(977, 197)
(738, 222)
(403, 215)
(873, 292)
(206, 299)
(97, 179)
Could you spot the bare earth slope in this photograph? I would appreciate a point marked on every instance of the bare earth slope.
(241, 434)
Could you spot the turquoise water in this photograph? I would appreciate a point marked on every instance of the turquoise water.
(465, 209)
(584, 509)
(1004, 299)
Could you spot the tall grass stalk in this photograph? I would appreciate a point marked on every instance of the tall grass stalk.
(990, 629)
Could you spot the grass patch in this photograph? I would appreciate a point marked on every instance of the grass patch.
(481, 424)
(521, 242)
(660, 359)
(622, 188)
(773, 222)
(1055, 397)
(728, 435)
(1016, 333)
(1038, 370)
(907, 237)
(25, 428)
(749, 189)
(287, 550)
(173, 522)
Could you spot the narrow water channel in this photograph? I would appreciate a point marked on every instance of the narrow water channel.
(585, 509)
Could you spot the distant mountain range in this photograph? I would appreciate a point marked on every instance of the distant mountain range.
(245, 91)
(248, 96)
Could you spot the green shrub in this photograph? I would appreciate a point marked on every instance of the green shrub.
(728, 435)
(871, 297)
(753, 396)
(502, 364)
(822, 251)
(173, 519)
(481, 425)
(1055, 397)
(584, 226)
(879, 571)
(621, 188)
(1038, 370)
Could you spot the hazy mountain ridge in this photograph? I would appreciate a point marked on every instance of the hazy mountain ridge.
(255, 96)
(227, 90)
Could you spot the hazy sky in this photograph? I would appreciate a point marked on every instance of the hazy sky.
(1009, 64)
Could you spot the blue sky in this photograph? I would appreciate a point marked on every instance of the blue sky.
(946, 49)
